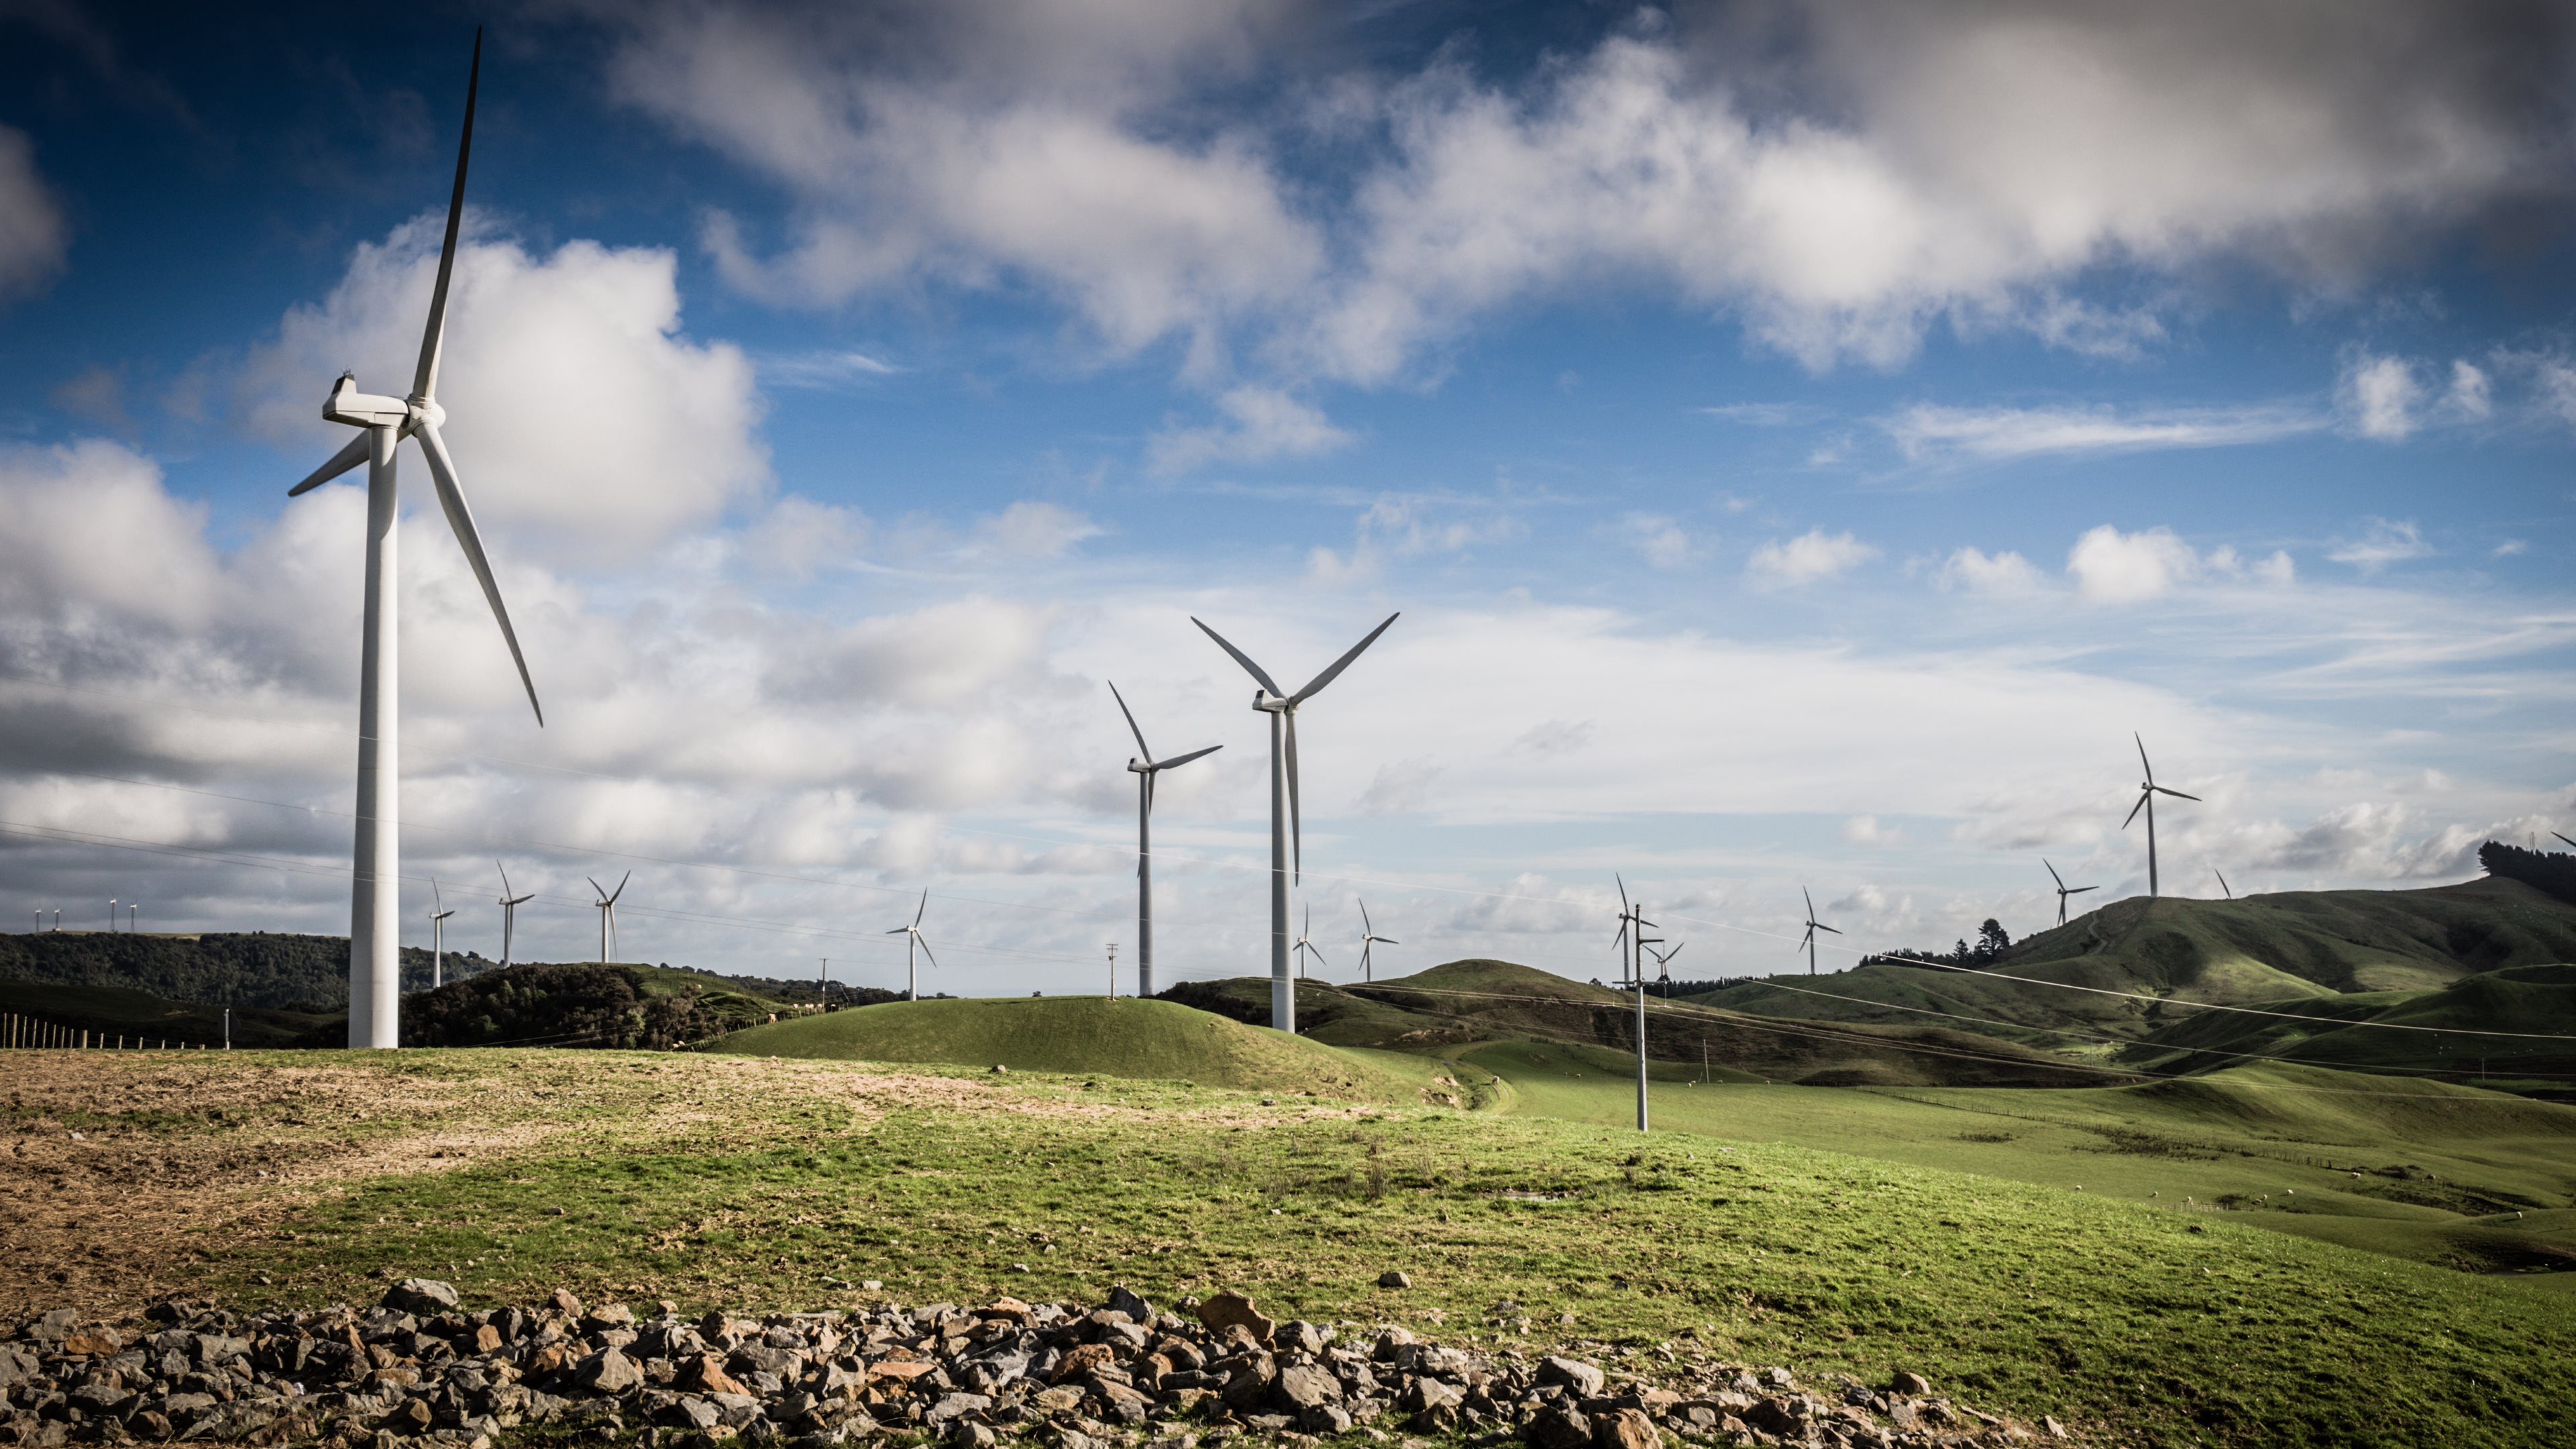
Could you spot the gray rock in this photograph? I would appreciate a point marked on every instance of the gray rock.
(1558, 1426)
(1395, 1278)
(1579, 1377)
(1299, 1336)
(688, 1411)
(1302, 1386)
(1428, 1393)
(1325, 1419)
(421, 1295)
(955, 1406)
(608, 1372)
(1122, 1300)
(1911, 1384)
(966, 1434)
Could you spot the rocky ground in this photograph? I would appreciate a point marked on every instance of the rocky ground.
(419, 1367)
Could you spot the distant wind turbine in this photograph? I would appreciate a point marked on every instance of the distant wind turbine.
(2148, 790)
(2222, 881)
(509, 911)
(1369, 937)
(1286, 839)
(1635, 942)
(1813, 926)
(375, 962)
(607, 908)
(1146, 767)
(1306, 946)
(111, 915)
(438, 936)
(1664, 967)
(912, 938)
(2064, 890)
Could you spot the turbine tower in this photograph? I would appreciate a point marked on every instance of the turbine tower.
(1813, 926)
(2064, 890)
(1146, 767)
(1286, 838)
(911, 938)
(1369, 937)
(509, 912)
(1305, 946)
(438, 936)
(375, 962)
(607, 908)
(2148, 790)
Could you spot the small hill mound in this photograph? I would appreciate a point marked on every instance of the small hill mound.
(1120, 1037)
(586, 1004)
(2350, 1031)
(1325, 1013)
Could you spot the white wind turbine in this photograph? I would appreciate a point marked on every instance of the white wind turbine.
(2064, 890)
(375, 980)
(912, 938)
(1146, 767)
(1286, 838)
(1369, 937)
(2148, 790)
(1306, 946)
(1813, 926)
(607, 907)
(438, 937)
(509, 911)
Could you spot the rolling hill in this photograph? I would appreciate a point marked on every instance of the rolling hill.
(1118, 1037)
(2338, 1031)
(2288, 947)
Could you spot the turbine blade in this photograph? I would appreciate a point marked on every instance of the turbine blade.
(1811, 903)
(2177, 794)
(924, 907)
(2563, 839)
(1144, 751)
(1296, 826)
(1149, 803)
(1386, 940)
(1315, 686)
(597, 889)
(1178, 760)
(926, 955)
(349, 456)
(1368, 928)
(442, 471)
(434, 336)
(2052, 873)
(1623, 893)
(1836, 930)
(505, 876)
(1669, 955)
(2134, 809)
(621, 887)
(2142, 758)
(1241, 658)
(899, 930)
(2079, 890)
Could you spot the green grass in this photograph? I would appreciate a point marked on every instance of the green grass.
(1118, 1037)
(710, 1180)
(2350, 1031)
(2443, 1168)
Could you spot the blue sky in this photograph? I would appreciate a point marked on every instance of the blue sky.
(1805, 440)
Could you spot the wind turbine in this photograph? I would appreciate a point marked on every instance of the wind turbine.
(1146, 767)
(1305, 946)
(607, 907)
(111, 915)
(2222, 881)
(912, 937)
(2148, 790)
(438, 937)
(509, 912)
(1813, 926)
(1286, 839)
(1664, 967)
(2064, 890)
(1632, 936)
(1369, 937)
(375, 964)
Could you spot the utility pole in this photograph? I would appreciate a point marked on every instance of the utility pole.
(823, 1002)
(1113, 971)
(228, 1028)
(111, 915)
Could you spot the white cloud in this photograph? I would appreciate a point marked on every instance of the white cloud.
(828, 368)
(575, 404)
(797, 535)
(1866, 830)
(1926, 432)
(2382, 543)
(1032, 528)
(2381, 396)
(1400, 787)
(2509, 548)
(2471, 394)
(1999, 575)
(1809, 557)
(1260, 424)
(1397, 525)
(1659, 539)
(34, 236)
(2111, 567)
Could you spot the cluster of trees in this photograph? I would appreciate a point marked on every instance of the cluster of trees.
(804, 993)
(574, 1005)
(1992, 942)
(2551, 871)
(257, 968)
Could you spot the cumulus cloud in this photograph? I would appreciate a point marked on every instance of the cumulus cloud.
(1947, 434)
(2381, 397)
(1398, 525)
(1806, 559)
(2382, 543)
(1033, 528)
(2111, 567)
(1258, 424)
(34, 235)
(1998, 575)
(577, 407)
(1660, 540)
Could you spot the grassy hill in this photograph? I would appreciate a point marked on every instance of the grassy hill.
(2349, 1031)
(1118, 1037)
(1501, 1000)
(585, 1004)
(2269, 948)
(742, 1183)
(1326, 1013)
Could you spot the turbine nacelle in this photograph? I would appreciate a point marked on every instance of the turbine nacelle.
(358, 409)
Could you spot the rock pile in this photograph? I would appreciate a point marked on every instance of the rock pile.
(419, 1369)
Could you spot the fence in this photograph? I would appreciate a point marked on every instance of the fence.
(36, 1033)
